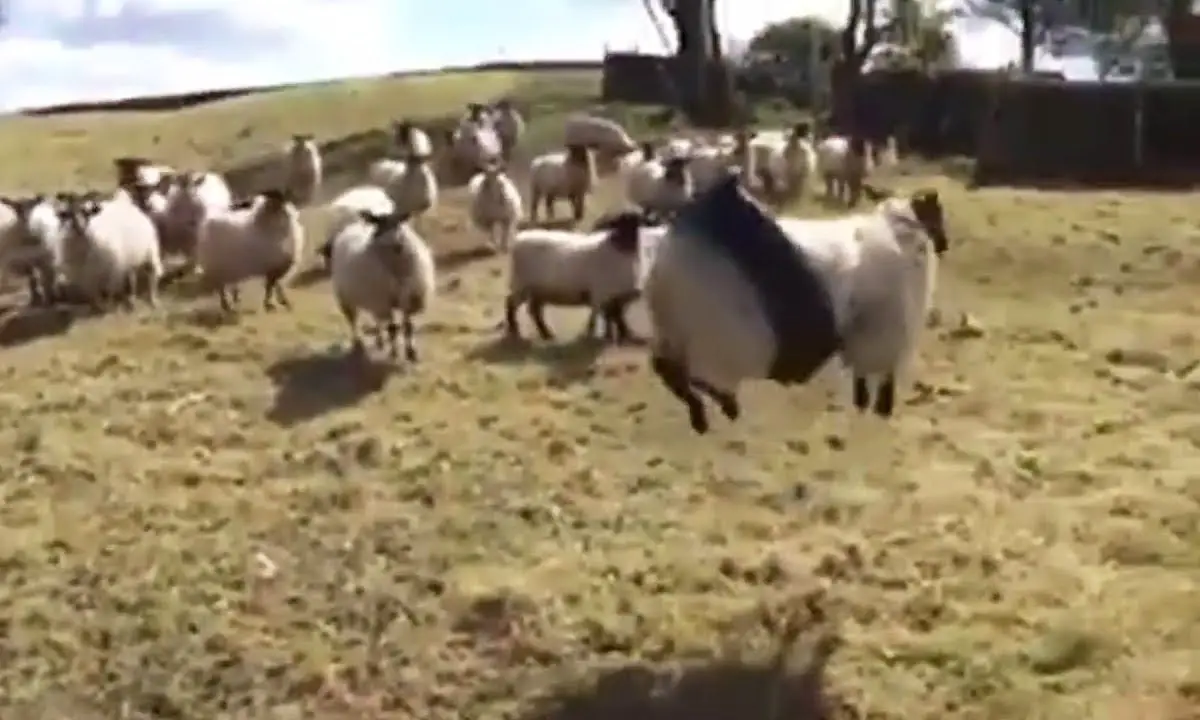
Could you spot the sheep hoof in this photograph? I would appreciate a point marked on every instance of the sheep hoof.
(885, 401)
(698, 418)
(862, 394)
(410, 354)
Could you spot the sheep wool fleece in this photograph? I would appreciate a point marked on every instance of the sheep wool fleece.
(791, 291)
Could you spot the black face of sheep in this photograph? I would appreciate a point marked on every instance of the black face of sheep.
(275, 198)
(801, 130)
(674, 168)
(127, 170)
(577, 154)
(77, 211)
(647, 151)
(927, 207)
(301, 139)
(624, 230)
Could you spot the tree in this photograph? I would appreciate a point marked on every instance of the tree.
(790, 40)
(697, 46)
(858, 38)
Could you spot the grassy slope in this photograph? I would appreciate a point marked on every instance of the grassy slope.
(453, 540)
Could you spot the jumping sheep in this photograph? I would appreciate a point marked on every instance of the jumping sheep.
(495, 205)
(843, 164)
(31, 244)
(411, 184)
(605, 136)
(600, 270)
(510, 126)
(303, 169)
(733, 295)
(348, 208)
(475, 143)
(195, 196)
(411, 140)
(569, 174)
(260, 238)
(381, 266)
(109, 249)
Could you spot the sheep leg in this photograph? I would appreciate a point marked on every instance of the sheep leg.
(578, 206)
(862, 393)
(537, 313)
(728, 402)
(273, 289)
(613, 313)
(224, 295)
(534, 201)
(885, 400)
(150, 278)
(511, 304)
(410, 347)
(550, 201)
(129, 290)
(36, 297)
(675, 378)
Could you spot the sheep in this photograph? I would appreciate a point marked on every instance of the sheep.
(262, 237)
(108, 247)
(495, 205)
(411, 184)
(140, 172)
(475, 143)
(411, 140)
(659, 187)
(605, 136)
(381, 265)
(348, 207)
(31, 244)
(732, 295)
(510, 126)
(843, 163)
(302, 169)
(194, 196)
(569, 174)
(601, 270)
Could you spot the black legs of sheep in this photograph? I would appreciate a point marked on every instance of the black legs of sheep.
(613, 326)
(885, 398)
(676, 379)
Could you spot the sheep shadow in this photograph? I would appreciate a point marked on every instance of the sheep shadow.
(210, 317)
(22, 325)
(310, 275)
(308, 386)
(723, 690)
(568, 362)
(547, 224)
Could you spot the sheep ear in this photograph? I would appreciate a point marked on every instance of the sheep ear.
(875, 194)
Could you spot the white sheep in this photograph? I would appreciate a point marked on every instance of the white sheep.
(348, 208)
(495, 205)
(194, 197)
(109, 248)
(600, 270)
(141, 172)
(732, 295)
(262, 237)
(411, 184)
(568, 174)
(843, 163)
(303, 169)
(31, 244)
(380, 265)
(510, 126)
(411, 140)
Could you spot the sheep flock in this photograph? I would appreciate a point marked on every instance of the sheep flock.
(103, 249)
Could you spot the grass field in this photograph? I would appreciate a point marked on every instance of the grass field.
(230, 522)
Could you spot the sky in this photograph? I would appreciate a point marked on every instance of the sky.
(55, 51)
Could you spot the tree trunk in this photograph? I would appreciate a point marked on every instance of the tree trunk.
(707, 97)
(1027, 36)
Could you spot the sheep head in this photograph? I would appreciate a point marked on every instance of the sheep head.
(624, 230)
(579, 155)
(302, 139)
(927, 208)
(647, 151)
(801, 131)
(388, 239)
(23, 206)
(128, 170)
(675, 169)
(76, 211)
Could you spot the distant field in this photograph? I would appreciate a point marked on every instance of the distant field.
(231, 521)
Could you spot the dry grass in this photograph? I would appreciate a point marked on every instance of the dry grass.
(204, 522)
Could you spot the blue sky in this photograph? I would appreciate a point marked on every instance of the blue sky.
(56, 51)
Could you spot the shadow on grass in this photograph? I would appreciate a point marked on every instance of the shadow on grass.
(571, 361)
(719, 691)
(308, 386)
(22, 325)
